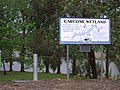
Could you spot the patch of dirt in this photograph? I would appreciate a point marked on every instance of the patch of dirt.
(60, 84)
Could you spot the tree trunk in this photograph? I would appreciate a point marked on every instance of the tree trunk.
(4, 61)
(58, 69)
(91, 58)
(22, 58)
(11, 63)
(22, 66)
(47, 68)
(107, 63)
(23, 51)
(4, 67)
(47, 63)
(74, 67)
(11, 60)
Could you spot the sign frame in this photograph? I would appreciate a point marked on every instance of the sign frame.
(82, 42)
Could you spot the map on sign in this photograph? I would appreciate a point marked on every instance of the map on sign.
(84, 31)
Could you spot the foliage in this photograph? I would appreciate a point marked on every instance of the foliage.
(41, 65)
(82, 68)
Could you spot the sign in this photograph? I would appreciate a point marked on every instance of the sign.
(84, 31)
(85, 48)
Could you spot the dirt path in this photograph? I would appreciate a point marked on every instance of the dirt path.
(58, 84)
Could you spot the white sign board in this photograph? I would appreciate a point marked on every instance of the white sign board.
(84, 31)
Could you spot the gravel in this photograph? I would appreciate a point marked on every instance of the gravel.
(60, 84)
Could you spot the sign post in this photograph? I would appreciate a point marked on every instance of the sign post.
(68, 70)
(35, 70)
(101, 66)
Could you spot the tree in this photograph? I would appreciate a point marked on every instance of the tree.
(7, 30)
(46, 15)
(16, 27)
(25, 23)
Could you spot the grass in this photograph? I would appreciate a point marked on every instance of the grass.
(28, 76)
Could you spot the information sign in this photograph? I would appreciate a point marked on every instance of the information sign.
(84, 31)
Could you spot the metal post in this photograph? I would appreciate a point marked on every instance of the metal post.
(68, 71)
(101, 77)
(101, 46)
(35, 70)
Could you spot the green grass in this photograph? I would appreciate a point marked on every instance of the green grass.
(28, 76)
